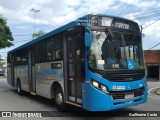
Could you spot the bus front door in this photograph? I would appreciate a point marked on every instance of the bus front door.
(74, 66)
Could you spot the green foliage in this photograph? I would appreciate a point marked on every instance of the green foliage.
(38, 34)
(5, 33)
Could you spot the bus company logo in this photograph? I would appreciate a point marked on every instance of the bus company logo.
(114, 87)
(6, 114)
(118, 87)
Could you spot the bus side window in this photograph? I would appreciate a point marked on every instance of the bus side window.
(9, 58)
(59, 54)
(21, 57)
(41, 52)
(55, 48)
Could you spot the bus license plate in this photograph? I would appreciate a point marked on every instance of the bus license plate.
(128, 96)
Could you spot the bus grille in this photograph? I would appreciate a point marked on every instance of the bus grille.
(125, 76)
(121, 94)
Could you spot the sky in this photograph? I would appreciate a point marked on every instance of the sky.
(56, 13)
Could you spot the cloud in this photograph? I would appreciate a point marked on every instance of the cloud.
(23, 27)
(153, 29)
(147, 4)
(50, 10)
(152, 36)
(55, 13)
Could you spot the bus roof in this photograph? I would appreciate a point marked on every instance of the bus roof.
(60, 29)
(53, 32)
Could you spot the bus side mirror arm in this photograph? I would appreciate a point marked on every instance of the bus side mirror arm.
(141, 29)
(87, 37)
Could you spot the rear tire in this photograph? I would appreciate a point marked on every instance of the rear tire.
(19, 90)
(59, 99)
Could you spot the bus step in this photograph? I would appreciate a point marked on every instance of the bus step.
(32, 93)
(73, 104)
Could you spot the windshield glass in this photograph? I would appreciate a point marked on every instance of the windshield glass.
(116, 50)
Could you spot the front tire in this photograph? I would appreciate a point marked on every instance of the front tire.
(59, 99)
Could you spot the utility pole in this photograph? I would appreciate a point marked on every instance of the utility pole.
(35, 11)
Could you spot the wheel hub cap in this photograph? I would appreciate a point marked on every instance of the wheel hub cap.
(59, 98)
(18, 89)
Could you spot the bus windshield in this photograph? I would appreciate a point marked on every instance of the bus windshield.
(116, 50)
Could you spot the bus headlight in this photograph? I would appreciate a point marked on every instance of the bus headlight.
(104, 88)
(99, 86)
(95, 84)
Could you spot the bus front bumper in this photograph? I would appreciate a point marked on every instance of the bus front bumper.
(96, 100)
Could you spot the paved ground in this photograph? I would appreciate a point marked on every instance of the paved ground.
(154, 87)
(155, 91)
(158, 91)
(10, 101)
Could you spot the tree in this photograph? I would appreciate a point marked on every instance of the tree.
(38, 34)
(5, 33)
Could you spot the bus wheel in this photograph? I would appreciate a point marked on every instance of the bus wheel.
(59, 99)
(19, 91)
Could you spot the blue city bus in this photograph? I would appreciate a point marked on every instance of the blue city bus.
(95, 62)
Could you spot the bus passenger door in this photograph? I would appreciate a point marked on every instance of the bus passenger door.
(32, 80)
(74, 65)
